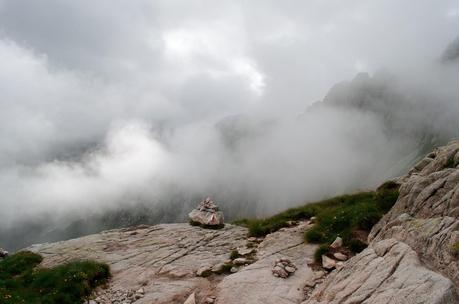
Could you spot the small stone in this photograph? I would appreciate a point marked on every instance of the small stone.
(328, 263)
(252, 239)
(203, 271)
(290, 269)
(240, 261)
(338, 242)
(210, 300)
(311, 284)
(245, 251)
(191, 299)
(319, 274)
(339, 256)
(234, 269)
(218, 267)
(339, 265)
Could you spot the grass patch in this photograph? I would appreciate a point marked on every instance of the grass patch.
(21, 281)
(234, 255)
(455, 249)
(338, 216)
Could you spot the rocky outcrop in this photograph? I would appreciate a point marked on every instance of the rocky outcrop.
(413, 256)
(174, 263)
(426, 215)
(207, 214)
(387, 272)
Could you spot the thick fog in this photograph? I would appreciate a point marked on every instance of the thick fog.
(112, 103)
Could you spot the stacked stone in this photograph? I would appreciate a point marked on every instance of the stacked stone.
(283, 268)
(207, 214)
(208, 205)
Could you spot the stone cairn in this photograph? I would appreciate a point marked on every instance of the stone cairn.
(207, 214)
(283, 268)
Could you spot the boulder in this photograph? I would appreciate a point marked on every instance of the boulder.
(207, 214)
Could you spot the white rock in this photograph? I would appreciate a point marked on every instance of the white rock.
(338, 242)
(319, 274)
(290, 269)
(240, 261)
(191, 299)
(328, 263)
(339, 256)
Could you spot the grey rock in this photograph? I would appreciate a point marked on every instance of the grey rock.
(339, 256)
(191, 299)
(207, 214)
(388, 272)
(328, 263)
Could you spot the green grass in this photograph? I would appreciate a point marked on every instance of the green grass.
(455, 249)
(22, 281)
(343, 216)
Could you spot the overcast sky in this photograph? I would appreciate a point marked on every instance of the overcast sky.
(90, 89)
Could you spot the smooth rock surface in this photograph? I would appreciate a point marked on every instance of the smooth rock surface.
(161, 259)
(255, 283)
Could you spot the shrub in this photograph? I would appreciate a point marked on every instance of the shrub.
(234, 254)
(23, 282)
(313, 235)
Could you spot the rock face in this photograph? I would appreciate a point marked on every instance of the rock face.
(207, 214)
(170, 263)
(413, 256)
(255, 283)
(161, 259)
(387, 272)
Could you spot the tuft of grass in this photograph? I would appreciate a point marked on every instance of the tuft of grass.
(455, 249)
(338, 216)
(320, 251)
(234, 254)
(21, 281)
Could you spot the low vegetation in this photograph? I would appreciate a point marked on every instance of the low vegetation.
(349, 216)
(22, 281)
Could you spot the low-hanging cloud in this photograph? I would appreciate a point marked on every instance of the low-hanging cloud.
(112, 103)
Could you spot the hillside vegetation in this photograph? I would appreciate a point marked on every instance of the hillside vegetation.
(349, 216)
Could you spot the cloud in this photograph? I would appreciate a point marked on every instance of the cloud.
(111, 103)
